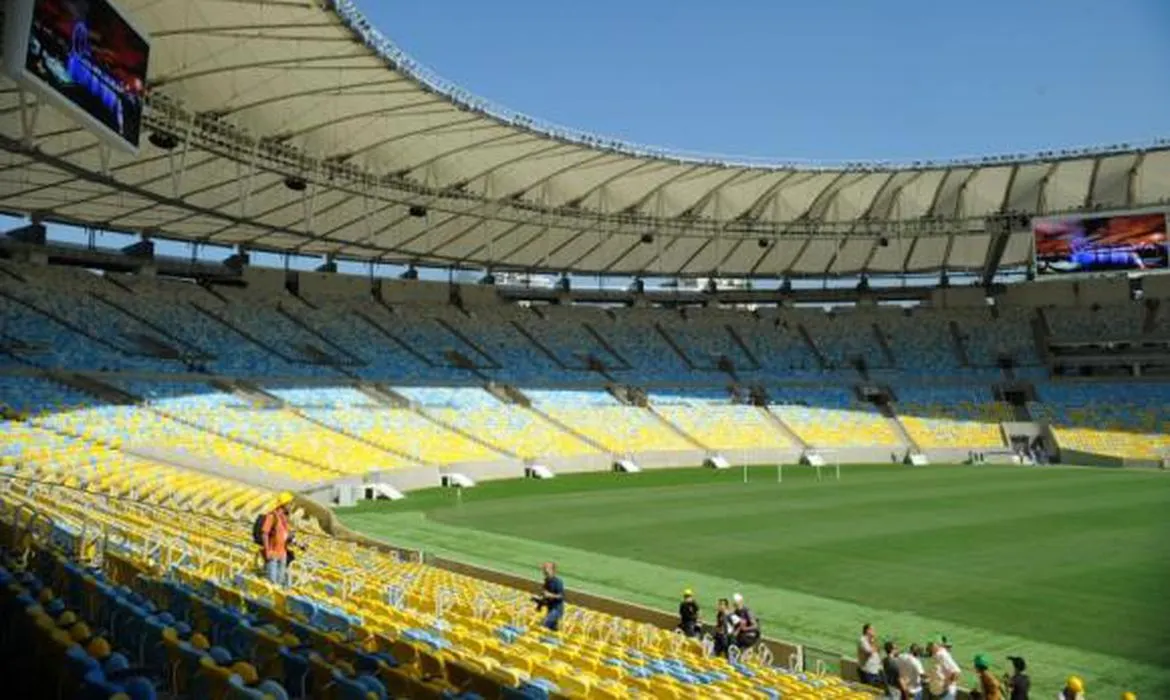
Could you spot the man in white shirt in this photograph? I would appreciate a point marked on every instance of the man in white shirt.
(944, 672)
(868, 661)
(911, 671)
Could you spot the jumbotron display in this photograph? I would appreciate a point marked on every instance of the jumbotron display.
(85, 56)
(1128, 242)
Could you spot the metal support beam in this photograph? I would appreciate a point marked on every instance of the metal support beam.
(30, 109)
(178, 172)
(104, 158)
(247, 183)
(1000, 228)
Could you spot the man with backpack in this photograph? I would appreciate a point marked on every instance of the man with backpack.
(273, 533)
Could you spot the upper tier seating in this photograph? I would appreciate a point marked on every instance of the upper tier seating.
(1097, 324)
(843, 337)
(993, 332)
(921, 342)
(704, 338)
(949, 416)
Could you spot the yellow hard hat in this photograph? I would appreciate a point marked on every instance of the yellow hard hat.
(688, 593)
(284, 498)
(1075, 684)
(1128, 696)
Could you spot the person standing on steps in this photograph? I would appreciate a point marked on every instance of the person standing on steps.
(552, 597)
(275, 535)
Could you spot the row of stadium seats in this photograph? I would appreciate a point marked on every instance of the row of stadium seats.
(331, 431)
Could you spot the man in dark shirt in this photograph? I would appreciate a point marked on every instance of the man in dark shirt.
(552, 596)
(688, 615)
(723, 627)
(892, 679)
(1018, 683)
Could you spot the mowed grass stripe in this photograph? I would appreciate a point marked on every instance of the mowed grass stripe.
(1067, 561)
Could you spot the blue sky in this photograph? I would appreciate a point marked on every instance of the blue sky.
(816, 79)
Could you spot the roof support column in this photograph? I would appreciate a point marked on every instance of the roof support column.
(1000, 228)
(30, 109)
(246, 183)
(178, 172)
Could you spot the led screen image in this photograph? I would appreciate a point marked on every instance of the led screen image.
(1130, 242)
(87, 53)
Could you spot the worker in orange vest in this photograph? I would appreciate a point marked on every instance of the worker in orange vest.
(275, 536)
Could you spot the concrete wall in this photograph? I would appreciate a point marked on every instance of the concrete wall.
(488, 471)
(408, 479)
(669, 458)
(580, 463)
(763, 455)
(263, 282)
(327, 286)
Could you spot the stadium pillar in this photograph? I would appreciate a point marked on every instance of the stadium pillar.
(1000, 229)
(30, 109)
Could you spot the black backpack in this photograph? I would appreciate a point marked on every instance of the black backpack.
(258, 529)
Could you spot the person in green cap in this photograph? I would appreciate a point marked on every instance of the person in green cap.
(988, 685)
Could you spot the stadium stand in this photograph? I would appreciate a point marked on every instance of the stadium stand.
(1129, 421)
(834, 419)
(354, 391)
(178, 601)
(943, 417)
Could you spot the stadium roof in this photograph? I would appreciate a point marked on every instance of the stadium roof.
(257, 93)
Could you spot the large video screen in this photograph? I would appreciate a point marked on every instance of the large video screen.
(1128, 242)
(93, 59)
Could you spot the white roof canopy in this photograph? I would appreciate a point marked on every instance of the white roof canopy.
(258, 92)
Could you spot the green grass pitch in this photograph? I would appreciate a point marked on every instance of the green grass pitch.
(1067, 567)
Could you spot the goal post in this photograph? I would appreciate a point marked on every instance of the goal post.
(825, 462)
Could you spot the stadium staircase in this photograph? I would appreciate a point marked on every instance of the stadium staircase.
(676, 347)
(822, 363)
(170, 346)
(884, 345)
(478, 349)
(411, 459)
(1150, 321)
(435, 420)
(234, 472)
(245, 334)
(385, 332)
(743, 347)
(89, 386)
(887, 411)
(250, 394)
(785, 429)
(567, 429)
(96, 339)
(195, 425)
(633, 396)
(334, 350)
(1041, 334)
(956, 338)
(609, 348)
(536, 343)
(674, 428)
(382, 394)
